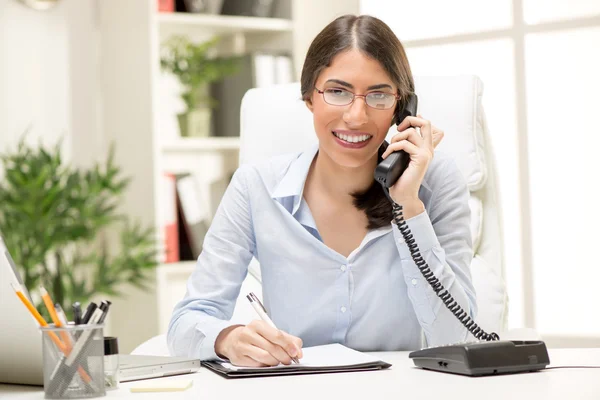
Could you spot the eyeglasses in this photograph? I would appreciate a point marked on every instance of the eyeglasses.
(342, 97)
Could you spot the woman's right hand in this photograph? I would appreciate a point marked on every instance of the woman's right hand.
(257, 345)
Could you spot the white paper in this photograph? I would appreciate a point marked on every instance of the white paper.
(330, 355)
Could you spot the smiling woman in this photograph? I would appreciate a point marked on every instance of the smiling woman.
(337, 269)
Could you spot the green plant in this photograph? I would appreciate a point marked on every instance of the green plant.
(195, 67)
(55, 220)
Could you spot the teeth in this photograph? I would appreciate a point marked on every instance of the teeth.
(352, 138)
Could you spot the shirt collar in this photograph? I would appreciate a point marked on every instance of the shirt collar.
(292, 183)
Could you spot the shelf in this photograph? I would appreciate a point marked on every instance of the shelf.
(201, 144)
(181, 23)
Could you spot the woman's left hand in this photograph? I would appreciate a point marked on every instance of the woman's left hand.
(420, 149)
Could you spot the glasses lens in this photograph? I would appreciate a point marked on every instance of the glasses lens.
(338, 97)
(380, 100)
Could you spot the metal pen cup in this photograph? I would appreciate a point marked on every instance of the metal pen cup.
(73, 361)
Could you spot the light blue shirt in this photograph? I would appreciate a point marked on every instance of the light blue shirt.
(373, 300)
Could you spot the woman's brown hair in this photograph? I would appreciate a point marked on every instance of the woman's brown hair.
(376, 40)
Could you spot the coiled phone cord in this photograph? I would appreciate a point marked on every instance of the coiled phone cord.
(437, 286)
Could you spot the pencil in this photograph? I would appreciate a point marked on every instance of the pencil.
(52, 311)
(50, 306)
(43, 323)
(38, 317)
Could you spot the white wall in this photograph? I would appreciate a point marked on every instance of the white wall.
(49, 77)
(34, 74)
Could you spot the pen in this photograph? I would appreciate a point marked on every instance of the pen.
(104, 307)
(63, 320)
(89, 312)
(77, 313)
(262, 313)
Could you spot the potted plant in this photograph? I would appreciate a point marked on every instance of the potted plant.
(196, 68)
(55, 220)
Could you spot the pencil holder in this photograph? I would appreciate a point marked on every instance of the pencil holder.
(73, 361)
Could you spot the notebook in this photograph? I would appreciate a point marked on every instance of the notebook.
(316, 360)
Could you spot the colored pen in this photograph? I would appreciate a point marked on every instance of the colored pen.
(262, 313)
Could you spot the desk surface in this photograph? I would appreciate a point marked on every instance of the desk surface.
(403, 380)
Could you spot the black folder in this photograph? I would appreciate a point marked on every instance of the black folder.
(317, 360)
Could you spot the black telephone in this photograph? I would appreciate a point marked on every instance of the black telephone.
(489, 355)
(390, 169)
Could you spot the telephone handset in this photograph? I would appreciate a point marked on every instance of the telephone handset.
(494, 356)
(390, 169)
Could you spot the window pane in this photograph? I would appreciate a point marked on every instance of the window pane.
(436, 18)
(493, 62)
(537, 11)
(564, 139)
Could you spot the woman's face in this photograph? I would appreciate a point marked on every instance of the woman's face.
(351, 135)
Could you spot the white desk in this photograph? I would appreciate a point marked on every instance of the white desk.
(402, 381)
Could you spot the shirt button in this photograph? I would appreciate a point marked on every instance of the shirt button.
(343, 309)
(414, 282)
(401, 240)
(343, 268)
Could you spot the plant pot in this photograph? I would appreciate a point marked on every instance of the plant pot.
(195, 123)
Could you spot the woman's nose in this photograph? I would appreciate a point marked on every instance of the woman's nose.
(356, 114)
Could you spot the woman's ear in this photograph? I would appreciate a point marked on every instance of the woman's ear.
(309, 104)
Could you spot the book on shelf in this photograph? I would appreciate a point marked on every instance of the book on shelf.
(193, 218)
(184, 218)
(169, 220)
(166, 6)
(256, 70)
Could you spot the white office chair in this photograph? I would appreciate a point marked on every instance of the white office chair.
(274, 120)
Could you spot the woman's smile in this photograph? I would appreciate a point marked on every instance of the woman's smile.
(351, 139)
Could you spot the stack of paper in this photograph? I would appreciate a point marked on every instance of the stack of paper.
(318, 359)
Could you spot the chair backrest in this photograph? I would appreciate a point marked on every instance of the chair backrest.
(274, 120)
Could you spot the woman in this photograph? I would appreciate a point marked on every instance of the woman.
(334, 266)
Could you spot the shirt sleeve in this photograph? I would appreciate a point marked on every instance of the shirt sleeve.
(214, 286)
(443, 236)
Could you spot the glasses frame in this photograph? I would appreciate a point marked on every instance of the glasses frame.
(354, 96)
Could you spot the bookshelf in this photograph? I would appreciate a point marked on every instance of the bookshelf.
(131, 34)
(184, 23)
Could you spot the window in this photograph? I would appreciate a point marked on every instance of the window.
(539, 55)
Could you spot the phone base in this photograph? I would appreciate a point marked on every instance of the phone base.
(484, 358)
